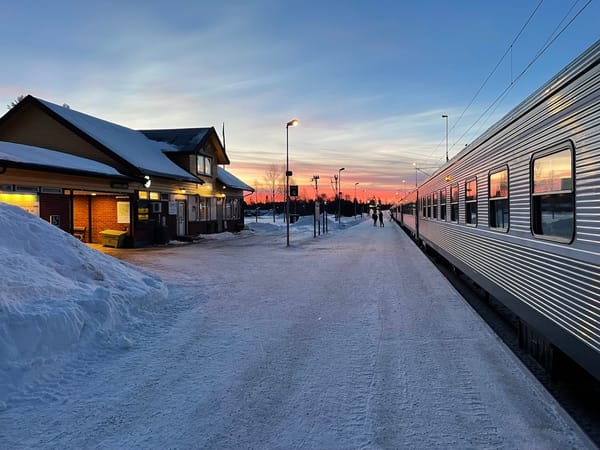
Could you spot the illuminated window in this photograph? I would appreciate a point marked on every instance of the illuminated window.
(443, 204)
(471, 201)
(498, 198)
(435, 205)
(454, 203)
(143, 195)
(553, 206)
(429, 205)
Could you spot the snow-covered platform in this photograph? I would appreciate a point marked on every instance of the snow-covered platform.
(349, 340)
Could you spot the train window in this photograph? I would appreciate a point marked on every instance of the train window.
(424, 206)
(498, 198)
(429, 206)
(435, 205)
(454, 203)
(471, 201)
(443, 204)
(553, 206)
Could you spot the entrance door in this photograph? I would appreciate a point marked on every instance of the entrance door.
(180, 218)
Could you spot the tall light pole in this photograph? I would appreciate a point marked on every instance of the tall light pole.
(340, 193)
(445, 116)
(355, 184)
(288, 174)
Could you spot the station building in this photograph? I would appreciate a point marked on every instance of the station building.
(93, 178)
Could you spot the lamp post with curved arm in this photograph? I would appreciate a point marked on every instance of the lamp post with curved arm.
(288, 173)
(340, 194)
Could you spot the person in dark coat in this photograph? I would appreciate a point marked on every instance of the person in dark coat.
(374, 216)
(381, 224)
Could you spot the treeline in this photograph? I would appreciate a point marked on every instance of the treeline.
(306, 207)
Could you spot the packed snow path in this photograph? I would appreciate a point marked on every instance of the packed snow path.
(351, 340)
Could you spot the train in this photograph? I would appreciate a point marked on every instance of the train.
(518, 212)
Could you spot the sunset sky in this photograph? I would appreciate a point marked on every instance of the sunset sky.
(368, 81)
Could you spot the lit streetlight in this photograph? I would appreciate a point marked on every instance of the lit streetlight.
(445, 116)
(340, 193)
(288, 174)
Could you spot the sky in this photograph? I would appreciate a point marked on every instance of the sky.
(146, 351)
(367, 81)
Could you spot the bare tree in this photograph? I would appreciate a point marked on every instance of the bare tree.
(273, 179)
(15, 102)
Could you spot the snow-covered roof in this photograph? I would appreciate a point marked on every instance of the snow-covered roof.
(232, 181)
(26, 154)
(131, 145)
(185, 139)
(189, 139)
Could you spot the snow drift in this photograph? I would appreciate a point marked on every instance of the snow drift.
(57, 292)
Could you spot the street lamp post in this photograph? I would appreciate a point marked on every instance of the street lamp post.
(355, 184)
(445, 116)
(340, 193)
(288, 173)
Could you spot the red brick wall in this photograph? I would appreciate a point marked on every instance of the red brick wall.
(104, 212)
(81, 216)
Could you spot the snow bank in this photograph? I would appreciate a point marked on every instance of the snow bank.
(57, 292)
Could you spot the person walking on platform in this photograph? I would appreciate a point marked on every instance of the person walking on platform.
(381, 224)
(374, 216)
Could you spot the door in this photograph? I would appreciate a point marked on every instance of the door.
(180, 218)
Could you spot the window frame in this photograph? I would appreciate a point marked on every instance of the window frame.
(204, 165)
(497, 199)
(443, 215)
(469, 203)
(535, 222)
(454, 216)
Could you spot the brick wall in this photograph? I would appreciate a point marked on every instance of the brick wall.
(81, 217)
(104, 212)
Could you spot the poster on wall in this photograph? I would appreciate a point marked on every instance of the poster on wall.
(123, 212)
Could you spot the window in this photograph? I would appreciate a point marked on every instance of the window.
(204, 165)
(204, 212)
(435, 205)
(424, 206)
(498, 198)
(429, 205)
(454, 203)
(443, 204)
(471, 201)
(553, 209)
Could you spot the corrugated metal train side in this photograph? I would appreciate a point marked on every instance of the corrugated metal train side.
(509, 239)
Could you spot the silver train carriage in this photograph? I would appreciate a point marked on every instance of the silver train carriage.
(518, 211)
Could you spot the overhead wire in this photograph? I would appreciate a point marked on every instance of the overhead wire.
(508, 50)
(551, 39)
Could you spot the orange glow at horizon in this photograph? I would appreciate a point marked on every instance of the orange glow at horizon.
(368, 186)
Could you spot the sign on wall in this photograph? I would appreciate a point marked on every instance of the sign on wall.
(123, 210)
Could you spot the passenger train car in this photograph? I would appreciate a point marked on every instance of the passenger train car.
(518, 211)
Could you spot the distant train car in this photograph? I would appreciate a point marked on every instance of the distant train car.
(518, 211)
